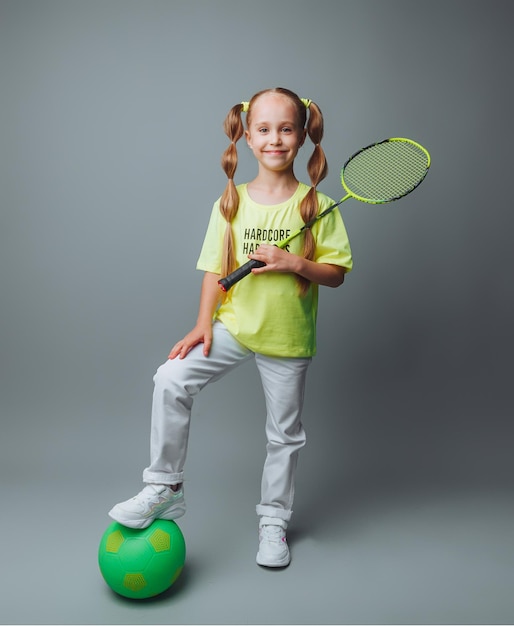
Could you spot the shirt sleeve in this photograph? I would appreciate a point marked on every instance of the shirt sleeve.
(210, 254)
(332, 243)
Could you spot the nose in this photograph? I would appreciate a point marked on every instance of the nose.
(275, 138)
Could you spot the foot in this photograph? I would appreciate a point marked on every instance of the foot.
(273, 549)
(153, 502)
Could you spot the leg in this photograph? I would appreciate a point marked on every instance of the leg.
(283, 381)
(176, 384)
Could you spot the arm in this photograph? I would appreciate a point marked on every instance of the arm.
(278, 260)
(202, 332)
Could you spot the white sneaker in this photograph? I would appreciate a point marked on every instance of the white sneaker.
(153, 502)
(273, 549)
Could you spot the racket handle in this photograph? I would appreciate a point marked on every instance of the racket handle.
(230, 280)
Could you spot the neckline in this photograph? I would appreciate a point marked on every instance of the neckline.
(278, 204)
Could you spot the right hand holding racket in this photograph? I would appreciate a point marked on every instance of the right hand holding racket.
(279, 260)
(273, 259)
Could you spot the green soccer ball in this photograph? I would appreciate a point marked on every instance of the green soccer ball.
(142, 563)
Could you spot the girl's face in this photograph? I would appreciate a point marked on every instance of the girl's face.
(274, 134)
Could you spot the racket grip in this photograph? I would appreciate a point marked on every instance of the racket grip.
(233, 278)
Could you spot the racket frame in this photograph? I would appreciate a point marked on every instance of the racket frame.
(392, 199)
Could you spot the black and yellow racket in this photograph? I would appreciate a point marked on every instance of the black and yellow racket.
(380, 173)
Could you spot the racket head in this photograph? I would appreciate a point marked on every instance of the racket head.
(385, 171)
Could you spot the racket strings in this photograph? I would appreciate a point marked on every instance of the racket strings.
(385, 171)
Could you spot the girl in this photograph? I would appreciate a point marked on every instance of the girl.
(270, 315)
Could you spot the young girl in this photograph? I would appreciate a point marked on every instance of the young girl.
(270, 315)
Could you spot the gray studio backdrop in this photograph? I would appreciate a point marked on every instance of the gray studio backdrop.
(111, 134)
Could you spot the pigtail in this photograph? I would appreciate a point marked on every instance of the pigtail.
(317, 169)
(229, 202)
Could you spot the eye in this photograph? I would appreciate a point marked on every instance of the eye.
(263, 129)
(287, 129)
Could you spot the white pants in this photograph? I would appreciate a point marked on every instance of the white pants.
(176, 383)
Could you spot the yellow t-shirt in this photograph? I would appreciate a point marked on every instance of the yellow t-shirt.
(265, 312)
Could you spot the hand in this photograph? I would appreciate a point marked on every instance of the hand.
(279, 260)
(199, 334)
(276, 259)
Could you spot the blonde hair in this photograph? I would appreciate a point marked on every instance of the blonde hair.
(316, 167)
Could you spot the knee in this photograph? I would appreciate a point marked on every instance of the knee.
(162, 372)
(294, 438)
(174, 376)
(166, 375)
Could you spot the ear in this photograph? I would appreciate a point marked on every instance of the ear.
(248, 139)
(304, 137)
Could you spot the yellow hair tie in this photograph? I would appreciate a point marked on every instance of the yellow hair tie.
(246, 105)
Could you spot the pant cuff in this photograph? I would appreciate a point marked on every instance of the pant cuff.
(272, 511)
(162, 478)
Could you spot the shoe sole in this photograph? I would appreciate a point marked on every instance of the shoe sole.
(283, 563)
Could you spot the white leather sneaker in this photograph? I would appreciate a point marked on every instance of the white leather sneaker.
(273, 548)
(153, 502)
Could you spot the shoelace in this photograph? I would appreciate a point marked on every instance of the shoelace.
(150, 496)
(272, 533)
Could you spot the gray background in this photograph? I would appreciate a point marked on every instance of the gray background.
(111, 136)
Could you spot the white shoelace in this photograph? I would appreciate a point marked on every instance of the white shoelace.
(272, 533)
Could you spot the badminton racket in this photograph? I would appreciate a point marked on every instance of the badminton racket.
(380, 173)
